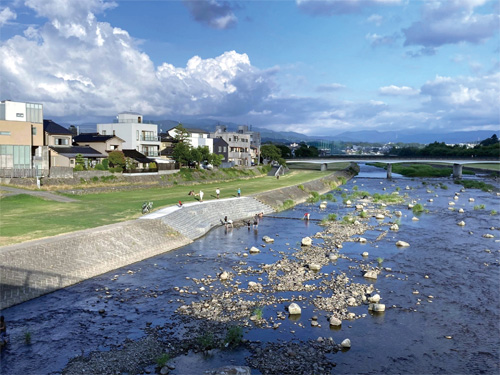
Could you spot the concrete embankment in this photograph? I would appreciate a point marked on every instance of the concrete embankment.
(31, 269)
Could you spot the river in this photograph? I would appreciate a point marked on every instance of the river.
(441, 293)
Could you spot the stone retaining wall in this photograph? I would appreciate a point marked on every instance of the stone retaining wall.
(31, 269)
(34, 268)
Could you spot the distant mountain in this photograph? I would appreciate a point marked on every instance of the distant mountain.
(374, 136)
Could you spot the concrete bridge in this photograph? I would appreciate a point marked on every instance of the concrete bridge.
(457, 162)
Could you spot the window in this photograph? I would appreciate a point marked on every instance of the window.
(61, 141)
(33, 130)
(72, 161)
(104, 132)
(137, 136)
(4, 133)
(220, 148)
(225, 149)
(114, 133)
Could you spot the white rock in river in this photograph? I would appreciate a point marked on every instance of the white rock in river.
(398, 213)
(335, 321)
(451, 203)
(294, 309)
(394, 227)
(379, 217)
(224, 275)
(407, 187)
(378, 307)
(415, 218)
(471, 199)
(455, 197)
(351, 301)
(267, 239)
(365, 254)
(348, 202)
(374, 299)
(461, 210)
(488, 235)
(359, 207)
(370, 274)
(410, 206)
(362, 240)
(333, 257)
(430, 200)
(346, 343)
(402, 244)
(254, 250)
(306, 241)
(461, 223)
(314, 266)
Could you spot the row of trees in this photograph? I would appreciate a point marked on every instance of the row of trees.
(278, 152)
(185, 154)
(490, 147)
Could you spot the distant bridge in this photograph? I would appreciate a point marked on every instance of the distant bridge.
(390, 160)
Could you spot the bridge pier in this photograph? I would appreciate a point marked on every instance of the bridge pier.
(324, 167)
(457, 170)
(389, 171)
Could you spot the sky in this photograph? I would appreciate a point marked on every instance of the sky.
(317, 67)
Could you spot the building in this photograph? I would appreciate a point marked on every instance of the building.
(197, 138)
(239, 144)
(62, 153)
(102, 143)
(21, 135)
(136, 134)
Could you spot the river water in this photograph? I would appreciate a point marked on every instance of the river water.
(451, 326)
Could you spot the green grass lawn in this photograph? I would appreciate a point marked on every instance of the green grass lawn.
(24, 217)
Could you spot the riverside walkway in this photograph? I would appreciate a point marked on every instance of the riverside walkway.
(194, 220)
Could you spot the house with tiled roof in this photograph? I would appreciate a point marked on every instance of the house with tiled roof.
(102, 143)
(62, 153)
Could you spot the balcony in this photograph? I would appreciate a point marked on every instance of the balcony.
(150, 153)
(150, 138)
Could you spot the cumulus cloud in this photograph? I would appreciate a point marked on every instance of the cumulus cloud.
(376, 19)
(393, 90)
(450, 22)
(6, 14)
(331, 7)
(212, 13)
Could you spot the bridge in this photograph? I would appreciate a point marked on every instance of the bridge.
(389, 160)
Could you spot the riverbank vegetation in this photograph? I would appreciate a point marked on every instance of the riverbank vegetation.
(25, 217)
(489, 147)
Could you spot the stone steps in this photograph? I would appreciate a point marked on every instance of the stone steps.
(195, 220)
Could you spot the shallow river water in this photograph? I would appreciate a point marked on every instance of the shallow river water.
(442, 293)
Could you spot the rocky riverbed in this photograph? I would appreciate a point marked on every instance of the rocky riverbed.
(382, 289)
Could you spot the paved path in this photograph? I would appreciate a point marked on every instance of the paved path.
(41, 194)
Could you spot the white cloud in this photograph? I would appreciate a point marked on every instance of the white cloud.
(381, 40)
(398, 90)
(6, 14)
(331, 87)
(450, 22)
(376, 19)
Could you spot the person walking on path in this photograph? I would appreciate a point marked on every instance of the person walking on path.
(217, 192)
(239, 192)
(201, 196)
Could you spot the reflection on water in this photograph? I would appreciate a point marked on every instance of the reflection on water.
(444, 285)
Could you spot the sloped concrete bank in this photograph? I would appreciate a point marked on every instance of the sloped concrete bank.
(31, 269)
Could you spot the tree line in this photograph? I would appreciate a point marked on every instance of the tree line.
(489, 147)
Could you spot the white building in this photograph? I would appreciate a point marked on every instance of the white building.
(137, 135)
(197, 138)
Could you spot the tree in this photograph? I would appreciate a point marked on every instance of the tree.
(181, 134)
(80, 161)
(285, 151)
(196, 156)
(182, 153)
(215, 159)
(305, 151)
(117, 159)
(270, 152)
(490, 141)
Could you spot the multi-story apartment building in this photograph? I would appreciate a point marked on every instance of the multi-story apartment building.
(197, 137)
(137, 134)
(239, 144)
(21, 135)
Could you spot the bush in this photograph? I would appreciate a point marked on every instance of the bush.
(314, 197)
(418, 208)
(234, 336)
(100, 167)
(163, 359)
(105, 163)
(78, 168)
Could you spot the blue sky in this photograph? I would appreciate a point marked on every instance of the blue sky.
(316, 67)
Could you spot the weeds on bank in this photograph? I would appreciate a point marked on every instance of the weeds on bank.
(479, 207)
(163, 359)
(289, 203)
(206, 341)
(257, 312)
(387, 198)
(473, 184)
(234, 335)
(493, 212)
(27, 337)
(314, 197)
(363, 214)
(418, 208)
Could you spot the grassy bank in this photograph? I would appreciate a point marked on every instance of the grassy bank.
(25, 217)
